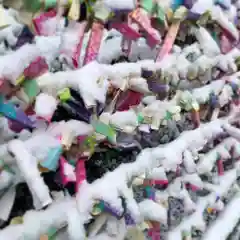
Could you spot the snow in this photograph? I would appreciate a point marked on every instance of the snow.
(195, 219)
(225, 223)
(153, 162)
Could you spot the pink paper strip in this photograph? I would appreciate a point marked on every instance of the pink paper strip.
(127, 31)
(126, 45)
(75, 59)
(80, 139)
(47, 119)
(80, 173)
(148, 182)
(161, 182)
(154, 233)
(194, 188)
(236, 101)
(142, 19)
(178, 171)
(43, 17)
(62, 162)
(225, 44)
(168, 41)
(94, 43)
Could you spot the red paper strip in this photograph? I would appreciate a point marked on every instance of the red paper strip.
(36, 68)
(30, 111)
(128, 99)
(161, 182)
(5, 88)
(14, 126)
(220, 167)
(194, 188)
(94, 42)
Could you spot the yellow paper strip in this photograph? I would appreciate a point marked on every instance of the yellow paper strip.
(20, 80)
(74, 12)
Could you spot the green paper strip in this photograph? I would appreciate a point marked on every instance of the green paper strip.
(185, 234)
(16, 220)
(64, 95)
(6, 167)
(31, 89)
(148, 190)
(160, 14)
(105, 130)
(168, 116)
(147, 5)
(98, 208)
(50, 4)
(1, 163)
(32, 5)
(72, 162)
(215, 37)
(52, 233)
(204, 18)
(90, 143)
(140, 118)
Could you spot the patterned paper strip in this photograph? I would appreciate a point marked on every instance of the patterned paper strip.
(168, 41)
(141, 18)
(94, 42)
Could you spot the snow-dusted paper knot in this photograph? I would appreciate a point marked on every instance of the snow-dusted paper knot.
(104, 206)
(17, 62)
(217, 205)
(200, 67)
(173, 113)
(188, 102)
(207, 43)
(186, 235)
